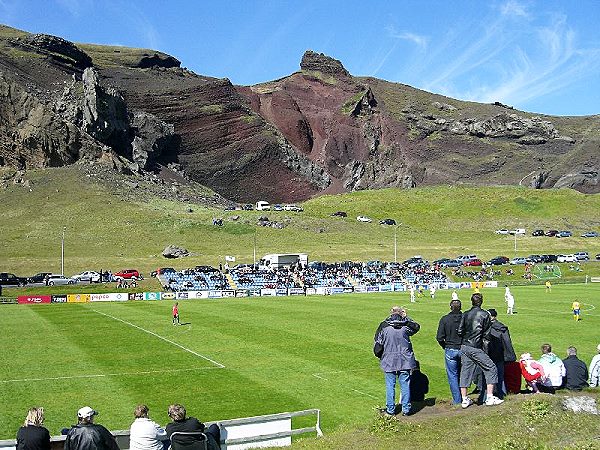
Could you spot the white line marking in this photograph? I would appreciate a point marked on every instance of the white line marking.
(218, 364)
(145, 372)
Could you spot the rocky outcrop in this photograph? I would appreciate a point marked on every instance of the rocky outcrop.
(586, 181)
(158, 60)
(55, 48)
(319, 62)
(152, 139)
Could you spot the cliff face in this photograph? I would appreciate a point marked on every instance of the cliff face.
(319, 130)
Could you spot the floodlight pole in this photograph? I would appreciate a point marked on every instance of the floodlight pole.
(62, 253)
(515, 244)
(254, 252)
(395, 244)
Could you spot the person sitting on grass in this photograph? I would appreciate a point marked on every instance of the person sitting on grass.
(554, 370)
(532, 371)
(595, 369)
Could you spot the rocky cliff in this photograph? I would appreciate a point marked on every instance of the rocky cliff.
(319, 130)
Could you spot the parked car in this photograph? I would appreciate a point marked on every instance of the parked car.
(590, 234)
(89, 276)
(519, 260)
(263, 205)
(582, 256)
(548, 258)
(451, 263)
(416, 261)
(277, 207)
(293, 207)
(127, 274)
(473, 262)
(598, 256)
(162, 271)
(551, 233)
(501, 231)
(58, 280)
(248, 207)
(339, 214)
(535, 258)
(364, 219)
(517, 231)
(564, 234)
(463, 258)
(10, 279)
(39, 277)
(566, 258)
(537, 233)
(387, 222)
(498, 261)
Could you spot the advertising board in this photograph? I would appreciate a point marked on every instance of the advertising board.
(33, 299)
(112, 297)
(78, 298)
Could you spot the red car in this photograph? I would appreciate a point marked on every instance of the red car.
(127, 274)
(473, 262)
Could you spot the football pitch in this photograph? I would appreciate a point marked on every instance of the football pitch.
(243, 357)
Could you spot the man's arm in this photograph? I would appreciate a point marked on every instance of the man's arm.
(441, 333)
(412, 326)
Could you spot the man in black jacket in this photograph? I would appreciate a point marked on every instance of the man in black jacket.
(449, 340)
(500, 350)
(577, 371)
(87, 435)
(474, 328)
(183, 424)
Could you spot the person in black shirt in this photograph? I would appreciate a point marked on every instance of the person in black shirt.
(87, 435)
(181, 423)
(449, 340)
(32, 435)
(577, 372)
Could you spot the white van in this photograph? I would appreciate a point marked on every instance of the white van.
(262, 205)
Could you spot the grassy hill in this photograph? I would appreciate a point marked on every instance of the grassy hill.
(107, 230)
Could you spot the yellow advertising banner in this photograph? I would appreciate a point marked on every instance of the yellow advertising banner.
(78, 298)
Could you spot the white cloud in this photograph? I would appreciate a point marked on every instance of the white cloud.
(418, 40)
(514, 8)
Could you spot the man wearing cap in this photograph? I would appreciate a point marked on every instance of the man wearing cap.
(393, 347)
(87, 435)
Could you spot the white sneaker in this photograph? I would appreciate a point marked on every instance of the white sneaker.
(493, 400)
(466, 402)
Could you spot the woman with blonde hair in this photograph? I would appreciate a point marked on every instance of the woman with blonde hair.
(33, 435)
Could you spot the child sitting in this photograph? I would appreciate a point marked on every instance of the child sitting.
(532, 371)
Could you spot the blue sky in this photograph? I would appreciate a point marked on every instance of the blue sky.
(540, 56)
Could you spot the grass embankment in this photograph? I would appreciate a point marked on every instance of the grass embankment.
(104, 231)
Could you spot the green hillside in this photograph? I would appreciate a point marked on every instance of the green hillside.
(105, 231)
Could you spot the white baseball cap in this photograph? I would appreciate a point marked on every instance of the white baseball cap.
(86, 412)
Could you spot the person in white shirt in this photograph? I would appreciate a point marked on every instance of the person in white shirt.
(554, 370)
(412, 293)
(432, 290)
(145, 434)
(454, 296)
(510, 301)
(595, 369)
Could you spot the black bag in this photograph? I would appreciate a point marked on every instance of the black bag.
(378, 349)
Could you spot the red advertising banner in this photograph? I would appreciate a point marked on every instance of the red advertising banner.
(33, 299)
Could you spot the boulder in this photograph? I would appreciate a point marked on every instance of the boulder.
(172, 251)
(583, 404)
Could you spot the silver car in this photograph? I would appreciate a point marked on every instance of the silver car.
(88, 276)
(58, 280)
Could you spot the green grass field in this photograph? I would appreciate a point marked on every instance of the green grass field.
(244, 357)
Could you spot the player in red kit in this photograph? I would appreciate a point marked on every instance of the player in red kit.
(176, 314)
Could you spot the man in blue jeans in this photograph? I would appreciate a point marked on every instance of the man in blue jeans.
(393, 347)
(449, 340)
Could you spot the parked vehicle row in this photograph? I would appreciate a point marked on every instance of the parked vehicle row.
(548, 233)
(54, 279)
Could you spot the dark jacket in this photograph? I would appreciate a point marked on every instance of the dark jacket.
(90, 437)
(189, 442)
(447, 333)
(32, 437)
(577, 373)
(474, 328)
(393, 336)
(500, 347)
